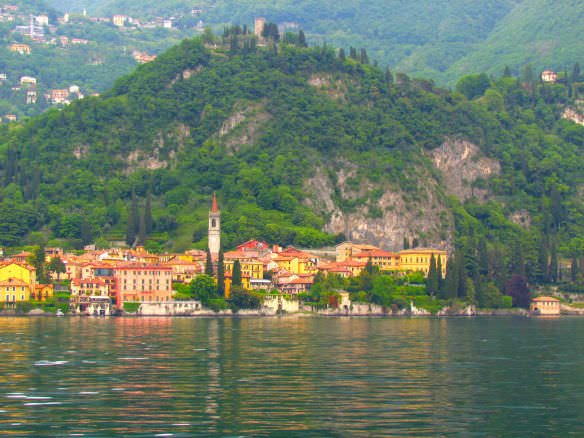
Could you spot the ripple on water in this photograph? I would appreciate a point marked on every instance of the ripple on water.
(49, 363)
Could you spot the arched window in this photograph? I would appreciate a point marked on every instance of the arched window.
(214, 223)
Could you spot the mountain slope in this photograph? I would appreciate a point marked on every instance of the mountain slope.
(296, 144)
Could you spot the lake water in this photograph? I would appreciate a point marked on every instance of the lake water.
(291, 377)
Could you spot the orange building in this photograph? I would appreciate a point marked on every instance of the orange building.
(141, 282)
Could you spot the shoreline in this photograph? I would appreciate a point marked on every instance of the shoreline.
(206, 315)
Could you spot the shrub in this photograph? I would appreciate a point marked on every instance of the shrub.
(131, 307)
(217, 304)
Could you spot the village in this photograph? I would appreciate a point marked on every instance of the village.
(31, 31)
(105, 282)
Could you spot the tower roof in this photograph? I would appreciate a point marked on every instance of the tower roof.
(214, 209)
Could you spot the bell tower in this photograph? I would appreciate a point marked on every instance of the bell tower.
(214, 228)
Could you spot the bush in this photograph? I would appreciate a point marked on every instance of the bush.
(507, 302)
(245, 299)
(131, 307)
(217, 304)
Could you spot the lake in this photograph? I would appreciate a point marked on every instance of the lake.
(294, 376)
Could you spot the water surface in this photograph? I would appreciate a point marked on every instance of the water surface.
(291, 377)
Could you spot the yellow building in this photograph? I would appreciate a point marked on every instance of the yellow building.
(245, 283)
(344, 251)
(23, 49)
(42, 292)
(385, 261)
(413, 260)
(296, 265)
(13, 290)
(251, 268)
(21, 271)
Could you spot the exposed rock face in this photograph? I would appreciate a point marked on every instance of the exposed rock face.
(397, 218)
(461, 166)
(244, 125)
(335, 90)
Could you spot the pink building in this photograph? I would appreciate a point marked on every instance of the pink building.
(142, 282)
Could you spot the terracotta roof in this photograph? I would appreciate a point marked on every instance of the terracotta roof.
(301, 281)
(540, 299)
(214, 209)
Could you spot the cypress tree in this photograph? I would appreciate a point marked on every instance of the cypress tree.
(388, 76)
(353, 53)
(451, 282)
(209, 264)
(220, 275)
(364, 57)
(542, 274)
(369, 266)
(483, 257)
(556, 206)
(148, 215)
(406, 243)
(507, 72)
(432, 280)
(439, 275)
(553, 264)
(574, 269)
(342, 56)
(142, 230)
(236, 274)
(133, 219)
(461, 273)
(302, 39)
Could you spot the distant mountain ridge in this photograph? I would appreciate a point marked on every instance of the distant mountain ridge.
(438, 39)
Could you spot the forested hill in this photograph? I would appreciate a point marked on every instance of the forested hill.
(441, 39)
(303, 147)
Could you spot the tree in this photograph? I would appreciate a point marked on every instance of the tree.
(342, 56)
(553, 272)
(56, 266)
(37, 260)
(220, 275)
(86, 234)
(576, 73)
(244, 299)
(432, 280)
(209, 265)
(518, 289)
(451, 281)
(439, 274)
(483, 257)
(473, 85)
(556, 207)
(527, 75)
(302, 39)
(133, 221)
(388, 76)
(406, 243)
(364, 57)
(142, 230)
(148, 215)
(203, 288)
(507, 72)
(236, 274)
(542, 262)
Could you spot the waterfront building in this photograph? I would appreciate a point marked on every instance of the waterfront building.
(545, 306)
(142, 282)
(42, 292)
(245, 283)
(418, 259)
(90, 296)
(385, 261)
(14, 290)
(250, 266)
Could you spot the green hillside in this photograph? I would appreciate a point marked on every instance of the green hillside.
(441, 39)
(270, 130)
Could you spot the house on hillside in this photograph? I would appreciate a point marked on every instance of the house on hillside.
(549, 76)
(23, 49)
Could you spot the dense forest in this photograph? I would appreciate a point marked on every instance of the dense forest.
(140, 162)
(442, 39)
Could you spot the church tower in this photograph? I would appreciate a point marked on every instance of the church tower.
(214, 228)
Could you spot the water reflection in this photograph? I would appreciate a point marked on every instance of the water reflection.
(292, 376)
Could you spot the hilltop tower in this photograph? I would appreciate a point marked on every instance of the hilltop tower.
(259, 24)
(214, 228)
